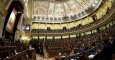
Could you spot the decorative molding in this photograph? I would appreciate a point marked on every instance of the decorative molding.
(3, 11)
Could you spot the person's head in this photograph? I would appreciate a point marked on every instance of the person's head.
(106, 41)
(0, 39)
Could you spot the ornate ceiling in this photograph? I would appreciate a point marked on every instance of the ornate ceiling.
(59, 11)
(52, 0)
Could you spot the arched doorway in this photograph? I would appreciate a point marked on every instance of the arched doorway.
(12, 19)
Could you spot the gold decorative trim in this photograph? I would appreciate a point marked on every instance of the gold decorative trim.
(3, 11)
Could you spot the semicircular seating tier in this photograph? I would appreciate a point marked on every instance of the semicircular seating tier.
(76, 25)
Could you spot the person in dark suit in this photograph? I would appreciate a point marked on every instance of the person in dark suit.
(82, 56)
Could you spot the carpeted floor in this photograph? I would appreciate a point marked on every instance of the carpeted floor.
(41, 58)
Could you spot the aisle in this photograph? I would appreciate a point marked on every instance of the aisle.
(41, 58)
